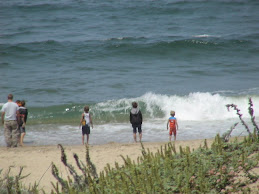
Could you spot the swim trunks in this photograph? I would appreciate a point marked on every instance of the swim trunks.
(22, 129)
(172, 121)
(85, 130)
(135, 128)
(172, 130)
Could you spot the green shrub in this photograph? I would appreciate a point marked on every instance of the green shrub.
(201, 171)
(12, 184)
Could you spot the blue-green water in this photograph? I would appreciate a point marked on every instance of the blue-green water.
(190, 56)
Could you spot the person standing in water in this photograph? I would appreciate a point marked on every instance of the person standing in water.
(136, 121)
(9, 120)
(172, 122)
(23, 113)
(86, 121)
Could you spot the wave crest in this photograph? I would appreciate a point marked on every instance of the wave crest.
(200, 107)
(193, 107)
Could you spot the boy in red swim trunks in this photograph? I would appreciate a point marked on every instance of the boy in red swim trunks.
(172, 122)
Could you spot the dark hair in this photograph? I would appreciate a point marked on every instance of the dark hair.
(10, 97)
(23, 102)
(86, 108)
(134, 104)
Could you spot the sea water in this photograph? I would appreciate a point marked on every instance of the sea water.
(194, 57)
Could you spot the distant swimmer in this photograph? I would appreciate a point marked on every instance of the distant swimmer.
(136, 121)
(172, 122)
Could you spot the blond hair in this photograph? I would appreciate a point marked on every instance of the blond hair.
(172, 113)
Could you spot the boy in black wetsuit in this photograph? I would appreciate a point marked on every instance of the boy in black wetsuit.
(136, 121)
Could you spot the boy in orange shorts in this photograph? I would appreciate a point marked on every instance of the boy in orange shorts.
(172, 122)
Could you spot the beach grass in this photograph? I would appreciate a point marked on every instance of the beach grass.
(205, 170)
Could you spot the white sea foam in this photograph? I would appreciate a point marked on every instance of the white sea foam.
(193, 107)
(205, 36)
(198, 106)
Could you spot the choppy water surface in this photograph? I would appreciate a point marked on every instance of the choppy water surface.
(190, 56)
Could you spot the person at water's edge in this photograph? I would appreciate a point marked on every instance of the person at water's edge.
(9, 120)
(136, 121)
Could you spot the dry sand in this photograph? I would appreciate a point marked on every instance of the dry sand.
(37, 160)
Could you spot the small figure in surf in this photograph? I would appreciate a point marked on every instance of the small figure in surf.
(86, 121)
(172, 122)
(23, 113)
(136, 121)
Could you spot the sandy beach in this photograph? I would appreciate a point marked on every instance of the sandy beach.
(37, 160)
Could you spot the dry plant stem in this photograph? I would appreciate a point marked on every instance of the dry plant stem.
(90, 165)
(251, 112)
(225, 137)
(240, 116)
(44, 174)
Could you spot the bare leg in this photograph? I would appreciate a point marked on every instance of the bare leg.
(87, 139)
(135, 137)
(140, 137)
(170, 137)
(175, 138)
(83, 139)
(21, 140)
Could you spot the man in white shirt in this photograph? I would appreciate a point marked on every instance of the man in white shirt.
(9, 120)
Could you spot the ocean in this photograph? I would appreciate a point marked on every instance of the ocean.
(193, 57)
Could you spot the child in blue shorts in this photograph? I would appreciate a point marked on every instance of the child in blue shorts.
(86, 121)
